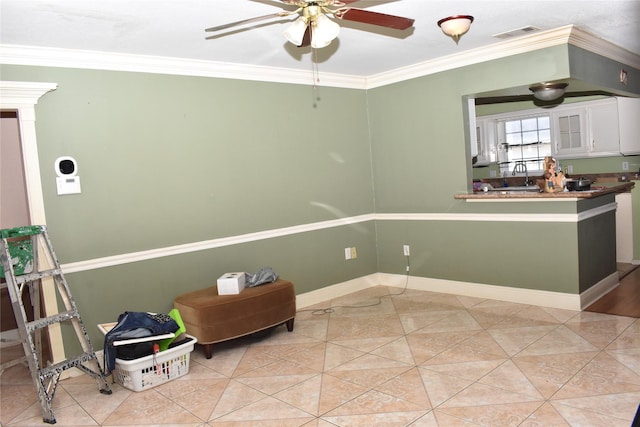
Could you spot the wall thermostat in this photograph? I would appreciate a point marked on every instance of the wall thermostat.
(67, 181)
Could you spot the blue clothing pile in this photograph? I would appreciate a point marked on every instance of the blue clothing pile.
(133, 324)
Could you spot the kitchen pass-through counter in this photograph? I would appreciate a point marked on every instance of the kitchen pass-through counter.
(597, 190)
(560, 247)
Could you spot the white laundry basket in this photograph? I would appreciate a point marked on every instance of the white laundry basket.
(150, 371)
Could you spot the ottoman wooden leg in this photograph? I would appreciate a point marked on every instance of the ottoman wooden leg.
(290, 324)
(208, 350)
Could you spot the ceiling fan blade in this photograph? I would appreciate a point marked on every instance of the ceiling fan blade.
(369, 3)
(247, 21)
(277, 3)
(374, 18)
(501, 99)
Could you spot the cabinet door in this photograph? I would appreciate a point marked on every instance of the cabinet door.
(473, 130)
(483, 141)
(604, 135)
(569, 131)
(629, 125)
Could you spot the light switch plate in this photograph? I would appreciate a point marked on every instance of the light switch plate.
(68, 185)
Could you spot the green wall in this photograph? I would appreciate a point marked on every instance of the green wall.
(169, 160)
(600, 74)
(421, 162)
(308, 259)
(419, 152)
(418, 134)
(166, 160)
(513, 254)
(597, 247)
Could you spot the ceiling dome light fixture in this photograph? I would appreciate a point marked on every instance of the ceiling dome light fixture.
(295, 32)
(323, 30)
(548, 91)
(455, 26)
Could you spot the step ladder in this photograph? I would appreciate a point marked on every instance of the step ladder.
(26, 258)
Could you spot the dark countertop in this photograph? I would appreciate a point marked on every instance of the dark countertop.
(598, 189)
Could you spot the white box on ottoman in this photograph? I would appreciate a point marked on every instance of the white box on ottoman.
(231, 283)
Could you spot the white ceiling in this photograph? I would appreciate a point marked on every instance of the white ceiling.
(175, 29)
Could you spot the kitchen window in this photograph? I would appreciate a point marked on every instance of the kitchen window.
(523, 141)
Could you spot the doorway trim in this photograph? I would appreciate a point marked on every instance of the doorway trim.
(22, 97)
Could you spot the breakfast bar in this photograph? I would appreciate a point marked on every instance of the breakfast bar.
(561, 247)
(598, 190)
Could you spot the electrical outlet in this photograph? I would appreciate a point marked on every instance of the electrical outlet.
(569, 169)
(625, 166)
(350, 253)
(405, 250)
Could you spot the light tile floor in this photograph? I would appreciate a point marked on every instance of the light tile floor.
(418, 359)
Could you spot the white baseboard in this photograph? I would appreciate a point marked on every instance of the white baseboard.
(335, 291)
(561, 300)
(499, 293)
(599, 290)
(9, 338)
(75, 372)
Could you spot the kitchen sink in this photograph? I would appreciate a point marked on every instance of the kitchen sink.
(517, 189)
(515, 192)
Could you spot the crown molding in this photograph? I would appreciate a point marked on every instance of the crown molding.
(502, 49)
(94, 60)
(569, 34)
(13, 94)
(599, 46)
(67, 58)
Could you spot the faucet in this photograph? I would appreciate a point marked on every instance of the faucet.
(520, 167)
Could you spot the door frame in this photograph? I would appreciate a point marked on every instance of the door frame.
(22, 97)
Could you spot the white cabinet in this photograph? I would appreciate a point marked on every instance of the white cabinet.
(604, 134)
(605, 127)
(485, 142)
(585, 130)
(629, 124)
(568, 126)
(481, 137)
(473, 147)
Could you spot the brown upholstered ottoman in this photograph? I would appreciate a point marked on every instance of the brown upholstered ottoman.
(214, 318)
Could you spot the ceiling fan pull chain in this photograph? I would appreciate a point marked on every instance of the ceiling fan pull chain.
(315, 77)
(314, 67)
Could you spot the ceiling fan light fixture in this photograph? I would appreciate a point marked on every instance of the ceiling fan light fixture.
(295, 32)
(323, 31)
(548, 91)
(455, 26)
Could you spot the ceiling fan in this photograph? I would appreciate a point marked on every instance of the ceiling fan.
(545, 95)
(313, 28)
